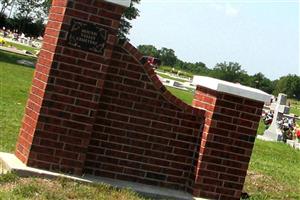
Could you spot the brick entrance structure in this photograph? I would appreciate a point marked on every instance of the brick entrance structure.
(95, 109)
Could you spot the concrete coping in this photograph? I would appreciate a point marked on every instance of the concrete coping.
(232, 88)
(124, 3)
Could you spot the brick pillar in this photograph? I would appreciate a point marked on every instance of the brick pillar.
(67, 83)
(232, 118)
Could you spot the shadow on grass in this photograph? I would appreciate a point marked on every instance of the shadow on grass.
(12, 58)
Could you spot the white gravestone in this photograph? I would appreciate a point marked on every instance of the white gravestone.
(273, 133)
(293, 143)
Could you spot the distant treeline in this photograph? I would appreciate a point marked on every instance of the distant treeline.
(23, 16)
(228, 71)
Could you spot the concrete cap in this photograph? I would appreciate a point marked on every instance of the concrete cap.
(125, 3)
(232, 88)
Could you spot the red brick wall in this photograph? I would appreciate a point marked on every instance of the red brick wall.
(109, 115)
(141, 132)
(105, 114)
(228, 137)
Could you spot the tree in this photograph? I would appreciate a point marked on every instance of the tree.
(231, 72)
(290, 85)
(46, 4)
(148, 50)
(167, 56)
(2, 20)
(29, 17)
(259, 81)
(4, 5)
(199, 68)
(30, 9)
(130, 13)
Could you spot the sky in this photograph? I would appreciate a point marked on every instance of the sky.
(261, 35)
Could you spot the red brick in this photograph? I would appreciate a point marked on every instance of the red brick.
(225, 191)
(53, 25)
(257, 104)
(254, 118)
(226, 126)
(56, 17)
(74, 53)
(100, 20)
(226, 104)
(111, 116)
(85, 8)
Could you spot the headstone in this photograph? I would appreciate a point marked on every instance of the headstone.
(293, 143)
(273, 133)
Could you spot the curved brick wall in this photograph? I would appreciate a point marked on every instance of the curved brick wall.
(142, 133)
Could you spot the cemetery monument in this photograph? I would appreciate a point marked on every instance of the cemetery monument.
(273, 133)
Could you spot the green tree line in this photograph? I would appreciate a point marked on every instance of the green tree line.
(24, 16)
(228, 71)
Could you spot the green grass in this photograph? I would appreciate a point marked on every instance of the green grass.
(185, 96)
(22, 47)
(60, 189)
(274, 172)
(169, 77)
(15, 82)
(8, 178)
(261, 128)
(295, 107)
(295, 111)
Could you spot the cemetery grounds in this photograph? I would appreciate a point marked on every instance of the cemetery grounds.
(274, 171)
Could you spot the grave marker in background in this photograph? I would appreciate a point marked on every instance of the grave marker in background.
(273, 133)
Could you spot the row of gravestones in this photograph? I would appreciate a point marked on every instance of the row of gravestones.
(274, 132)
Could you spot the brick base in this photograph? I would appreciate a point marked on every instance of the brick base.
(228, 137)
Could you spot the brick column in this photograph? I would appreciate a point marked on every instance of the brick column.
(67, 83)
(232, 118)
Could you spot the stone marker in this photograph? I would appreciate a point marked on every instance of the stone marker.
(273, 133)
(293, 143)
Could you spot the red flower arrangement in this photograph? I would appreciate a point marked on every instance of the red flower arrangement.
(298, 133)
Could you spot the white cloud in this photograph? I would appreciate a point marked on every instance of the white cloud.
(226, 8)
(218, 6)
(231, 11)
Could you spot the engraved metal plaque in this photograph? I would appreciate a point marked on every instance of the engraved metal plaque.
(87, 36)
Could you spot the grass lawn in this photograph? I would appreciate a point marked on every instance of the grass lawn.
(295, 107)
(22, 47)
(15, 82)
(274, 171)
(185, 96)
(170, 77)
(261, 128)
(14, 188)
